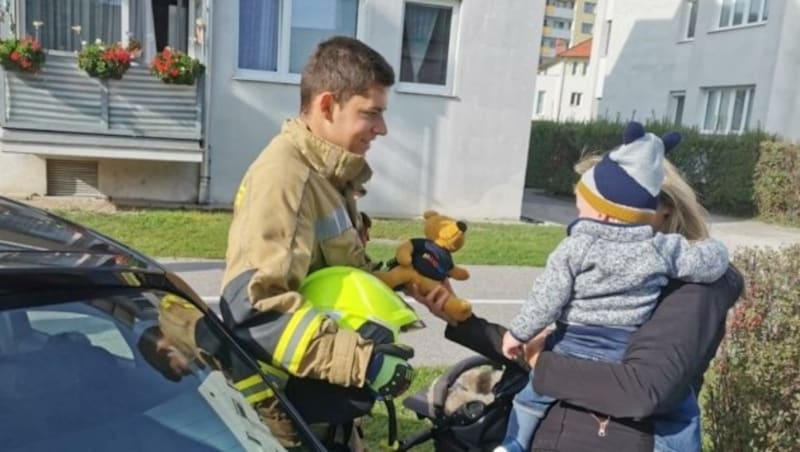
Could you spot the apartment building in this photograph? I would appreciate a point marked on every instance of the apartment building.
(566, 24)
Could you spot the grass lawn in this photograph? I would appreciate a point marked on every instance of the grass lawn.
(202, 234)
(376, 427)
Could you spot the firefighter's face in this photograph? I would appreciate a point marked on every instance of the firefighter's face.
(355, 123)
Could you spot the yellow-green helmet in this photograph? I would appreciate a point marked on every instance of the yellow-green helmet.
(360, 302)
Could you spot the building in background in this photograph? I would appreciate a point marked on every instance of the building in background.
(563, 87)
(459, 116)
(566, 23)
(723, 66)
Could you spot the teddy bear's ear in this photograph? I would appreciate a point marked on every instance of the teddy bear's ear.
(429, 213)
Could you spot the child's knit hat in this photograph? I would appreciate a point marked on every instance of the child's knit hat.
(625, 184)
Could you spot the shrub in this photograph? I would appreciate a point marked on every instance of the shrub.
(719, 167)
(752, 394)
(103, 61)
(173, 66)
(777, 192)
(24, 54)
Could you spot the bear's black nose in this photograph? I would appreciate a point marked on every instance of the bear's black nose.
(461, 226)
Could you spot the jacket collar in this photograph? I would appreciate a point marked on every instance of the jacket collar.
(616, 232)
(340, 166)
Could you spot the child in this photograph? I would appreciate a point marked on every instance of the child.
(604, 279)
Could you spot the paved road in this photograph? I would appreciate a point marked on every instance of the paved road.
(497, 292)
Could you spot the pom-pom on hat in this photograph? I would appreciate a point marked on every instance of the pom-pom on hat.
(625, 184)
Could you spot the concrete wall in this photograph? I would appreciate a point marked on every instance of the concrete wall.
(649, 57)
(148, 180)
(22, 175)
(464, 154)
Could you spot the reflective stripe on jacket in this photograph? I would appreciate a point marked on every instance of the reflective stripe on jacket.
(294, 213)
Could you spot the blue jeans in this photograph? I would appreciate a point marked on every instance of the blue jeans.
(678, 431)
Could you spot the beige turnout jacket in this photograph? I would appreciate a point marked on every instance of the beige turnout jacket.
(294, 213)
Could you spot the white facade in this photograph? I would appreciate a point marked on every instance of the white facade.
(460, 147)
(720, 66)
(563, 91)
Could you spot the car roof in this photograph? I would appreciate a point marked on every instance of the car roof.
(31, 237)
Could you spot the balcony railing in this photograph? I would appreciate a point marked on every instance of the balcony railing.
(62, 98)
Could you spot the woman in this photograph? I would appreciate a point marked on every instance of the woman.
(611, 406)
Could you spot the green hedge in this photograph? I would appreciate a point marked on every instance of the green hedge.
(752, 391)
(720, 167)
(777, 182)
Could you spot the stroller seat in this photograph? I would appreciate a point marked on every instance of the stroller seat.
(468, 405)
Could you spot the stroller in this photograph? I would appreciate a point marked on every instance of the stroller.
(469, 404)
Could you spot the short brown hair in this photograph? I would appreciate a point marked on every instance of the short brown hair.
(344, 66)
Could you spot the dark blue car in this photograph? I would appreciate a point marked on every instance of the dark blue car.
(85, 364)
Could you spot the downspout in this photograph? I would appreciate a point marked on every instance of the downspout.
(203, 189)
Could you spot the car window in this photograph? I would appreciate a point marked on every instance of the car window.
(98, 331)
(136, 372)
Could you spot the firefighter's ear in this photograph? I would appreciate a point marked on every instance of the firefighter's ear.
(325, 103)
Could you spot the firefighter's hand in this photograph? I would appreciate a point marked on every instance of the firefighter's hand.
(389, 374)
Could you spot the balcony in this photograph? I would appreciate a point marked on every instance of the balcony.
(559, 12)
(137, 113)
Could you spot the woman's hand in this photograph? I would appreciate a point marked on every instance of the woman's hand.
(512, 348)
(434, 300)
(535, 346)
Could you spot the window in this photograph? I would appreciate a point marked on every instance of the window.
(428, 46)
(540, 102)
(574, 68)
(606, 38)
(97, 330)
(691, 18)
(677, 99)
(741, 12)
(586, 28)
(588, 7)
(575, 99)
(585, 67)
(277, 36)
(728, 109)
(64, 24)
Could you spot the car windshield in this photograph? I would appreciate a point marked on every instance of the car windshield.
(132, 371)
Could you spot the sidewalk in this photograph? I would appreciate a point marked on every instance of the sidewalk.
(733, 232)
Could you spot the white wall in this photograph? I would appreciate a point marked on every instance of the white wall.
(22, 175)
(648, 58)
(464, 154)
(148, 180)
(559, 83)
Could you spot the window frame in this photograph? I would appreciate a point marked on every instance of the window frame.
(691, 9)
(583, 28)
(575, 99)
(677, 99)
(750, 91)
(281, 75)
(762, 15)
(449, 88)
(586, 7)
(540, 98)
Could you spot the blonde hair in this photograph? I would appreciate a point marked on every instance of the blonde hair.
(686, 216)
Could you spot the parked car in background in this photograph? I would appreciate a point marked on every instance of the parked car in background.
(86, 363)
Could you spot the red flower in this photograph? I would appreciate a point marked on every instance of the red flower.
(36, 46)
(174, 72)
(26, 63)
(14, 56)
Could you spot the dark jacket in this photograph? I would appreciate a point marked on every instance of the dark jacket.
(666, 356)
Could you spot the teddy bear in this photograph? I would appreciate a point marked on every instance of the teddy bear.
(428, 262)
